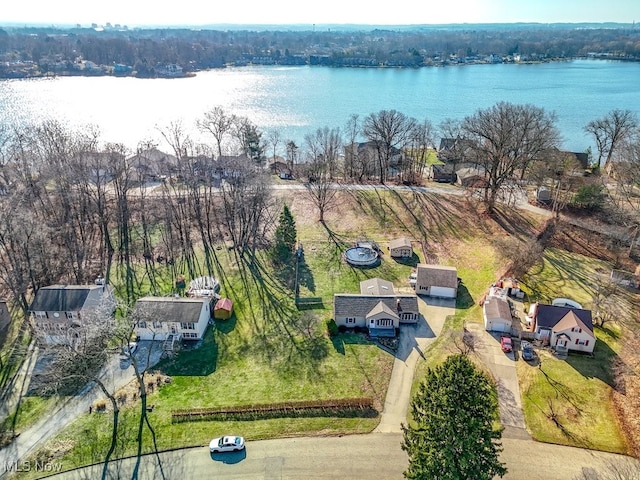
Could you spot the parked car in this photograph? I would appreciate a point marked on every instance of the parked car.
(228, 443)
(527, 351)
(506, 344)
(128, 350)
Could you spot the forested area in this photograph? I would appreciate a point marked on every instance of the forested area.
(51, 50)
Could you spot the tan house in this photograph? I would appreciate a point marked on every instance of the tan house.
(60, 314)
(563, 328)
(380, 314)
(400, 248)
(376, 308)
(436, 281)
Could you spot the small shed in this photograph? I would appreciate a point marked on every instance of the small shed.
(223, 309)
(400, 248)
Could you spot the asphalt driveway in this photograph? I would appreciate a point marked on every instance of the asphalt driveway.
(503, 367)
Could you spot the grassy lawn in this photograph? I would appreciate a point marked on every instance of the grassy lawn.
(577, 392)
(271, 352)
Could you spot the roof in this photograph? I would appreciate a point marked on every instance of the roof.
(571, 320)
(399, 243)
(560, 318)
(350, 304)
(436, 276)
(170, 309)
(224, 304)
(382, 307)
(62, 298)
(497, 308)
(376, 286)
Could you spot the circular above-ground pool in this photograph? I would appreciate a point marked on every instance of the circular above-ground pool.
(361, 256)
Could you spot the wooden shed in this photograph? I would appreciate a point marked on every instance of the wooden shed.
(223, 309)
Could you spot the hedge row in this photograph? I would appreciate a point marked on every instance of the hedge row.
(346, 407)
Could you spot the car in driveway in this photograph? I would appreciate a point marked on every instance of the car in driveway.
(506, 344)
(128, 350)
(228, 443)
(527, 351)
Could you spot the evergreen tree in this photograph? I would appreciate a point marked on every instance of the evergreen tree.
(285, 236)
(452, 436)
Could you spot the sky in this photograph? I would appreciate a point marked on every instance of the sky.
(267, 12)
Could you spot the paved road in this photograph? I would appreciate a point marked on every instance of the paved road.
(115, 375)
(355, 457)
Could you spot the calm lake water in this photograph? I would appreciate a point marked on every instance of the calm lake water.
(298, 100)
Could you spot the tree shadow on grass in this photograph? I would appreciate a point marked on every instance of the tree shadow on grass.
(286, 338)
(202, 360)
(599, 365)
(514, 222)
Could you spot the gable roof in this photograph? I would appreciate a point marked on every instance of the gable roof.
(553, 317)
(353, 304)
(62, 298)
(169, 309)
(436, 276)
(497, 308)
(382, 307)
(399, 243)
(224, 304)
(376, 286)
(571, 320)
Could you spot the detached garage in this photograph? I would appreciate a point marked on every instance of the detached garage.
(437, 281)
(497, 315)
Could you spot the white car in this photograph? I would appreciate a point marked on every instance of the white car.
(128, 350)
(228, 443)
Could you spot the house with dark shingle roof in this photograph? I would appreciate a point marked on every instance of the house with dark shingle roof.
(563, 328)
(60, 313)
(171, 318)
(381, 314)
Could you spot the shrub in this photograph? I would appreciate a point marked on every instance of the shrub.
(332, 328)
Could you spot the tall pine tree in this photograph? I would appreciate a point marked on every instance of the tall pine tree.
(452, 436)
(285, 237)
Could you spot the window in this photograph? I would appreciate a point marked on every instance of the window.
(188, 326)
(385, 322)
(41, 315)
(69, 315)
(157, 324)
(142, 324)
(350, 320)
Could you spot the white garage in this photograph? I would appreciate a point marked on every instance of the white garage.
(497, 315)
(437, 281)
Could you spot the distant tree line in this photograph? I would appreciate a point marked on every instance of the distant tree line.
(411, 47)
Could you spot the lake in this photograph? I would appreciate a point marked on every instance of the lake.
(298, 100)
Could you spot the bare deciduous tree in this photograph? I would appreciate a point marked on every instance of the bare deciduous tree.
(610, 131)
(390, 132)
(506, 138)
